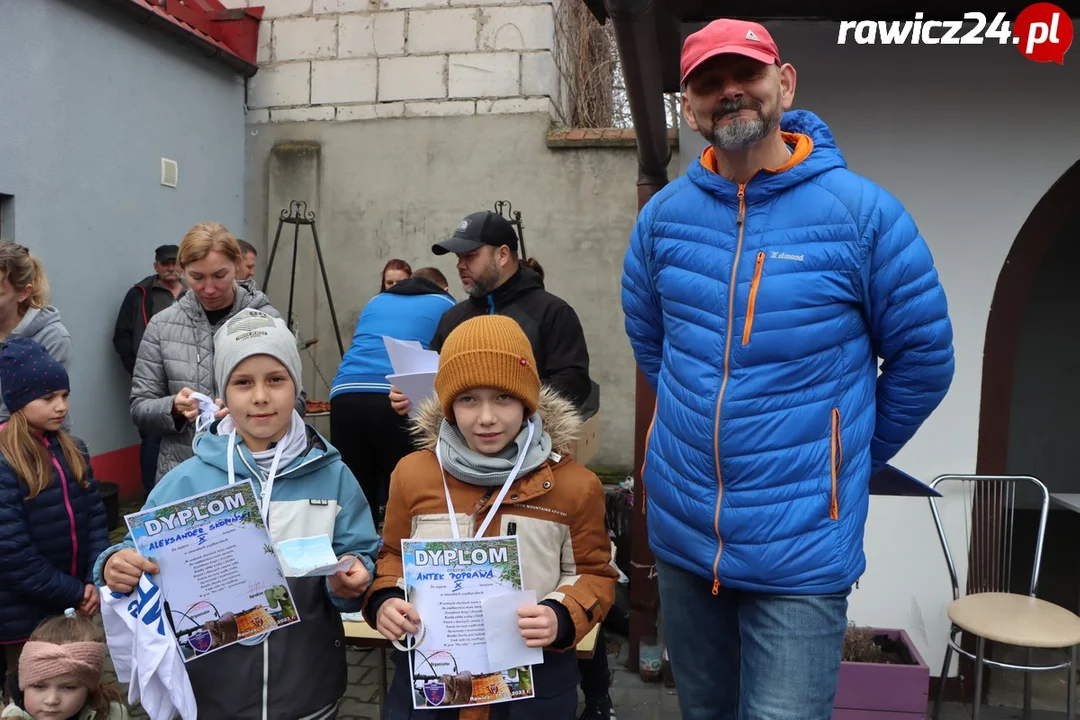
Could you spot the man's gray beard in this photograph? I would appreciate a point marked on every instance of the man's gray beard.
(741, 134)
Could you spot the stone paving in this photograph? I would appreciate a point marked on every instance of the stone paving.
(634, 699)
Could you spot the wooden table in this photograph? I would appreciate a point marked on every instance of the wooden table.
(362, 635)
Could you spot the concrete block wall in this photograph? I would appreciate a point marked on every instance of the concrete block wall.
(345, 60)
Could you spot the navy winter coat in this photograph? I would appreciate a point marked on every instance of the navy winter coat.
(47, 545)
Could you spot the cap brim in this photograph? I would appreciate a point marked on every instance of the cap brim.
(456, 245)
(761, 57)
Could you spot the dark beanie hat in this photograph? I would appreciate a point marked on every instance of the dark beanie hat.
(28, 372)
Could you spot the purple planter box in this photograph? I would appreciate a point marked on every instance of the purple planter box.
(872, 691)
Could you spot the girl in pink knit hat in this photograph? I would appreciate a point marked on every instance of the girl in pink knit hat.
(60, 674)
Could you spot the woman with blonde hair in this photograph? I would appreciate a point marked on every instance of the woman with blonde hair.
(24, 307)
(176, 356)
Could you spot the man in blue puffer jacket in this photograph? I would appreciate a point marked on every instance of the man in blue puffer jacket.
(760, 290)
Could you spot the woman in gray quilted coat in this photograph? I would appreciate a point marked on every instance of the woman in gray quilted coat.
(176, 355)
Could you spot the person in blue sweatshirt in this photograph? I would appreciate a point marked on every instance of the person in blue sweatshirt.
(372, 437)
(298, 671)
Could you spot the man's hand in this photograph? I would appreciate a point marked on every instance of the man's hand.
(223, 411)
(124, 568)
(351, 583)
(91, 601)
(539, 625)
(399, 402)
(397, 618)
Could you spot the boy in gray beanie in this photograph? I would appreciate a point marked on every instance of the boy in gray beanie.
(253, 332)
(304, 490)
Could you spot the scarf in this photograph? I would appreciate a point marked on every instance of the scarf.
(476, 468)
(295, 443)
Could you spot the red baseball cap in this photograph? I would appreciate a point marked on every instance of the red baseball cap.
(720, 37)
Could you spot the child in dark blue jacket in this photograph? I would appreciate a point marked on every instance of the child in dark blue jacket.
(52, 520)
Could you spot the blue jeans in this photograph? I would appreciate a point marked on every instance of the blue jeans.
(743, 655)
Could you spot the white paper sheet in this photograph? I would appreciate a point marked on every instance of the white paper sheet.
(311, 557)
(409, 357)
(418, 387)
(505, 646)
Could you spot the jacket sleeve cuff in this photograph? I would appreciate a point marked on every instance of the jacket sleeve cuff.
(345, 605)
(564, 636)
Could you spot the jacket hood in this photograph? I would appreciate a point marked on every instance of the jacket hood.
(416, 286)
(523, 282)
(824, 156)
(37, 320)
(561, 421)
(247, 296)
(213, 450)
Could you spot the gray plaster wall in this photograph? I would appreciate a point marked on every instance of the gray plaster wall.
(91, 101)
(391, 187)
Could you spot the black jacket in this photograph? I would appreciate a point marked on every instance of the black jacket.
(552, 326)
(131, 321)
(417, 286)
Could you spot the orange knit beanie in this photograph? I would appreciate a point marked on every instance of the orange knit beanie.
(489, 351)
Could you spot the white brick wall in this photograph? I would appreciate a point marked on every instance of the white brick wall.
(412, 78)
(442, 31)
(485, 75)
(358, 60)
(528, 27)
(378, 35)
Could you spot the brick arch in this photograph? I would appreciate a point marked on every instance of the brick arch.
(1003, 326)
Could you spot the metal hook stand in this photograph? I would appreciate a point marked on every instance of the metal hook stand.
(296, 215)
(514, 216)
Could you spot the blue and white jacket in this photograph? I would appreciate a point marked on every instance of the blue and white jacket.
(758, 313)
(410, 310)
(299, 671)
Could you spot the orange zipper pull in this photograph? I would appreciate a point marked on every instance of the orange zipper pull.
(715, 587)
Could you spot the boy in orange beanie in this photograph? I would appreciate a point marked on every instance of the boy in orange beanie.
(489, 395)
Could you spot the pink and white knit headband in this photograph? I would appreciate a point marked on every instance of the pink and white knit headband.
(42, 660)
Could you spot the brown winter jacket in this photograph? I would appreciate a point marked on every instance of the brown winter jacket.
(557, 512)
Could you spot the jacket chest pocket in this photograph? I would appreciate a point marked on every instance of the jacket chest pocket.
(751, 302)
(437, 527)
(542, 544)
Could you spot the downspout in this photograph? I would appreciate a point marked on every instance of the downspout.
(634, 22)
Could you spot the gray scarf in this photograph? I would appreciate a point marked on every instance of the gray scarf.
(476, 468)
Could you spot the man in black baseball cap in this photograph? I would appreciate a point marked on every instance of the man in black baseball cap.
(477, 230)
(144, 300)
(497, 281)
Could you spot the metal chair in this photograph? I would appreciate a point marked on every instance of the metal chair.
(990, 610)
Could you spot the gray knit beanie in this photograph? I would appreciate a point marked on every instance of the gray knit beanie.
(253, 332)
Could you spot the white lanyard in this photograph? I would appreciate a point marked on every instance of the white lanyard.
(498, 499)
(268, 486)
